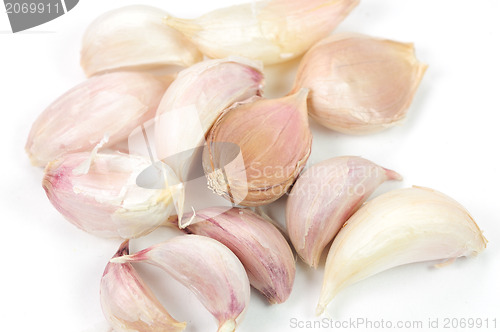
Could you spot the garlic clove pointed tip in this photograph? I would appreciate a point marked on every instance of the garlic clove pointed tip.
(393, 175)
(185, 26)
(227, 326)
(122, 259)
(320, 309)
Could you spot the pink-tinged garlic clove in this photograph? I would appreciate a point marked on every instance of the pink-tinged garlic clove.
(259, 245)
(274, 142)
(400, 227)
(359, 84)
(98, 193)
(206, 267)
(135, 38)
(127, 302)
(270, 31)
(110, 105)
(324, 197)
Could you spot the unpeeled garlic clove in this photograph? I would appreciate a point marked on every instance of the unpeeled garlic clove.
(134, 37)
(108, 105)
(359, 84)
(206, 267)
(274, 140)
(260, 247)
(97, 192)
(129, 304)
(271, 31)
(399, 227)
(325, 196)
(192, 104)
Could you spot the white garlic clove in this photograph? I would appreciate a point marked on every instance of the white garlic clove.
(271, 31)
(259, 245)
(399, 227)
(206, 267)
(97, 192)
(274, 139)
(359, 84)
(324, 197)
(108, 105)
(192, 104)
(134, 37)
(129, 304)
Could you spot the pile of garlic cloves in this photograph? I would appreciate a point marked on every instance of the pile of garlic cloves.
(193, 90)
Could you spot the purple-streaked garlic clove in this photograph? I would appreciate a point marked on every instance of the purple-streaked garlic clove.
(270, 31)
(259, 245)
(274, 142)
(98, 193)
(399, 227)
(135, 38)
(193, 102)
(324, 197)
(206, 267)
(129, 304)
(110, 105)
(359, 84)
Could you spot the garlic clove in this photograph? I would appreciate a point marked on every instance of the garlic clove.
(324, 197)
(275, 142)
(399, 227)
(129, 304)
(134, 37)
(206, 267)
(271, 31)
(97, 192)
(112, 105)
(192, 104)
(259, 245)
(359, 84)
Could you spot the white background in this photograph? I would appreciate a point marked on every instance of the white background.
(50, 270)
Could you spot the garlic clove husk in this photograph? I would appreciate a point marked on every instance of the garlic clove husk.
(192, 104)
(134, 37)
(97, 192)
(259, 245)
(108, 105)
(129, 304)
(271, 31)
(274, 140)
(325, 196)
(399, 227)
(359, 84)
(206, 267)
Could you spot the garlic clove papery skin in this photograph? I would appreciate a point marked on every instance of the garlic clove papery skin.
(359, 84)
(325, 196)
(134, 37)
(271, 31)
(128, 303)
(108, 105)
(399, 227)
(206, 267)
(259, 245)
(104, 199)
(274, 140)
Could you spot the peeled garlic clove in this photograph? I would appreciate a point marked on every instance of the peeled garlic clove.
(271, 31)
(359, 84)
(399, 227)
(127, 302)
(97, 192)
(324, 197)
(206, 267)
(134, 37)
(274, 140)
(260, 247)
(108, 105)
